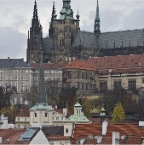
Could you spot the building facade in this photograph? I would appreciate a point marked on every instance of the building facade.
(15, 73)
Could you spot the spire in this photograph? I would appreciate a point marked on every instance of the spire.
(35, 21)
(97, 21)
(42, 97)
(54, 15)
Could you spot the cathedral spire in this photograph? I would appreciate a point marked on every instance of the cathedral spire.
(97, 21)
(42, 97)
(35, 21)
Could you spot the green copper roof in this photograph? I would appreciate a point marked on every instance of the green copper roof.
(41, 106)
(78, 118)
(97, 12)
(77, 104)
(66, 13)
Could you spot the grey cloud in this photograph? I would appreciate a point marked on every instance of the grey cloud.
(12, 43)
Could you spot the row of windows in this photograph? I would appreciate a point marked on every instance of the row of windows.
(74, 74)
(118, 85)
(46, 115)
(13, 77)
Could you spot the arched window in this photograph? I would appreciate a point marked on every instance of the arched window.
(66, 130)
(35, 114)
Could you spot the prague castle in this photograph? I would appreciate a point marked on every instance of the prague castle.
(67, 41)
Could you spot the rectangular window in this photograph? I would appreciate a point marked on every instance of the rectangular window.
(132, 85)
(117, 85)
(46, 114)
(103, 86)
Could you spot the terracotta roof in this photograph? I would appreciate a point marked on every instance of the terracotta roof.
(58, 137)
(121, 63)
(98, 120)
(23, 113)
(50, 65)
(80, 64)
(132, 131)
(11, 134)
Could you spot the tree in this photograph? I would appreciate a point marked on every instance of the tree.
(86, 107)
(118, 115)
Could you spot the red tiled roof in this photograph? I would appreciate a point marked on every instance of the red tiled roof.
(119, 62)
(58, 137)
(80, 64)
(50, 65)
(11, 134)
(132, 131)
(23, 113)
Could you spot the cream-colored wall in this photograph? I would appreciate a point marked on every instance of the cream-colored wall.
(22, 122)
(110, 79)
(40, 118)
(68, 126)
(60, 142)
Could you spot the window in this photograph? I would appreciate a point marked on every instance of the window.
(35, 115)
(132, 85)
(46, 114)
(117, 85)
(25, 119)
(103, 86)
(57, 118)
(22, 77)
(66, 130)
(18, 119)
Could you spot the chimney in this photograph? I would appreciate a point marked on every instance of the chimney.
(104, 127)
(115, 138)
(0, 140)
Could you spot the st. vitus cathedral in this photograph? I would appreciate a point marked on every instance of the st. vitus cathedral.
(67, 41)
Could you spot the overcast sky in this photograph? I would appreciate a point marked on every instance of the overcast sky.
(16, 15)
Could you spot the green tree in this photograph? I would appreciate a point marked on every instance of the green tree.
(118, 115)
(86, 107)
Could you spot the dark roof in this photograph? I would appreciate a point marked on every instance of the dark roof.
(86, 39)
(53, 131)
(13, 63)
(47, 44)
(110, 40)
(129, 38)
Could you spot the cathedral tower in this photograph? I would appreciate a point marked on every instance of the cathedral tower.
(63, 31)
(34, 42)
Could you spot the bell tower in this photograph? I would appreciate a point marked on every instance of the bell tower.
(63, 33)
